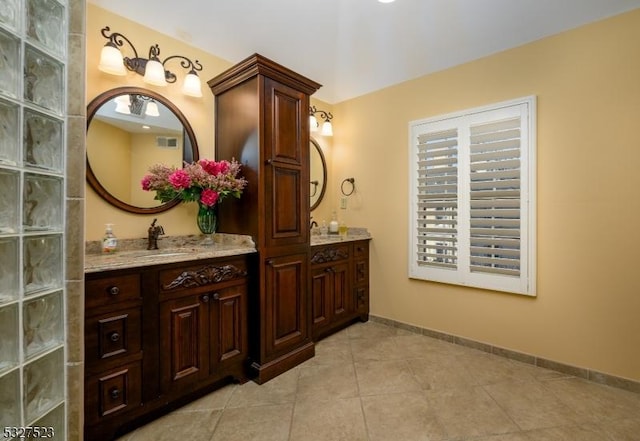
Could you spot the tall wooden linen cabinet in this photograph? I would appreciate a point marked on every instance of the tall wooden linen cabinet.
(262, 120)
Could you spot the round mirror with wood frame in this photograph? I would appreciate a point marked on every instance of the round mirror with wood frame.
(115, 134)
(318, 173)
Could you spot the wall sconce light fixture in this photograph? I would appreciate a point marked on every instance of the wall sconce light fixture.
(153, 69)
(327, 128)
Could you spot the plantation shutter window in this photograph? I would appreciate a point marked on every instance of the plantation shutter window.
(472, 198)
(438, 198)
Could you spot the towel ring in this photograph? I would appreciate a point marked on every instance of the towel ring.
(353, 186)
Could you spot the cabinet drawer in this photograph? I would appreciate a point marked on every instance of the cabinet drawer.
(361, 249)
(113, 335)
(109, 290)
(329, 253)
(362, 298)
(361, 275)
(195, 276)
(113, 392)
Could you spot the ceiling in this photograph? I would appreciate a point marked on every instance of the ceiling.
(354, 47)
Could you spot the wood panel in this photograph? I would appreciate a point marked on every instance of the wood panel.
(184, 337)
(286, 301)
(231, 335)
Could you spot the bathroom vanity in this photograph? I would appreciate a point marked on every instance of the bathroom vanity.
(339, 283)
(163, 327)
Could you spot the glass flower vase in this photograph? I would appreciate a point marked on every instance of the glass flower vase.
(207, 221)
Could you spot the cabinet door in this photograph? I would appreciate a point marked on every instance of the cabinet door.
(228, 336)
(342, 301)
(286, 159)
(285, 304)
(331, 296)
(321, 284)
(184, 335)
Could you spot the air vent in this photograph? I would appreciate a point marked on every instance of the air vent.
(166, 142)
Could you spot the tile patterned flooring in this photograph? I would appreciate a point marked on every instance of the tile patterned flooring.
(379, 383)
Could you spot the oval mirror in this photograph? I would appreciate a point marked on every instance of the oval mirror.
(128, 130)
(318, 173)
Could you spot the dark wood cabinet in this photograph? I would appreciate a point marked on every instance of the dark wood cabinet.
(262, 120)
(339, 286)
(113, 347)
(361, 278)
(286, 321)
(330, 293)
(183, 339)
(159, 335)
(202, 334)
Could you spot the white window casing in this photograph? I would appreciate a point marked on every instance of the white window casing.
(472, 189)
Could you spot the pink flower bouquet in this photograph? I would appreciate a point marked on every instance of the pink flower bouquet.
(206, 182)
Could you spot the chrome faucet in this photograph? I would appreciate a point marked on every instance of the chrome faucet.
(154, 233)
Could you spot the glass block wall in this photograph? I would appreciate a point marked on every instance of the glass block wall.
(33, 65)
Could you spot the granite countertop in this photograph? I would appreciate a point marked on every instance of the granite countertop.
(353, 234)
(132, 253)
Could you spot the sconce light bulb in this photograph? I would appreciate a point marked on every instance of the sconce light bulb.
(327, 129)
(192, 85)
(122, 104)
(152, 109)
(111, 60)
(154, 73)
(313, 123)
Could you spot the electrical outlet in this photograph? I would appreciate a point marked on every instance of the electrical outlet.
(343, 203)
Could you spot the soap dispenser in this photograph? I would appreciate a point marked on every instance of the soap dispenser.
(109, 241)
(342, 229)
(333, 225)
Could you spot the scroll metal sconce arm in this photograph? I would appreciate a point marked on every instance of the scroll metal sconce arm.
(185, 62)
(135, 64)
(348, 181)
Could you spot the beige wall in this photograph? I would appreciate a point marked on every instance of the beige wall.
(587, 82)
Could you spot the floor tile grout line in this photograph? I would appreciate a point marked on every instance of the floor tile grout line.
(223, 409)
(520, 429)
(293, 405)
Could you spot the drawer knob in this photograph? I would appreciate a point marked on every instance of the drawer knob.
(115, 393)
(216, 296)
(113, 290)
(269, 161)
(205, 298)
(114, 337)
